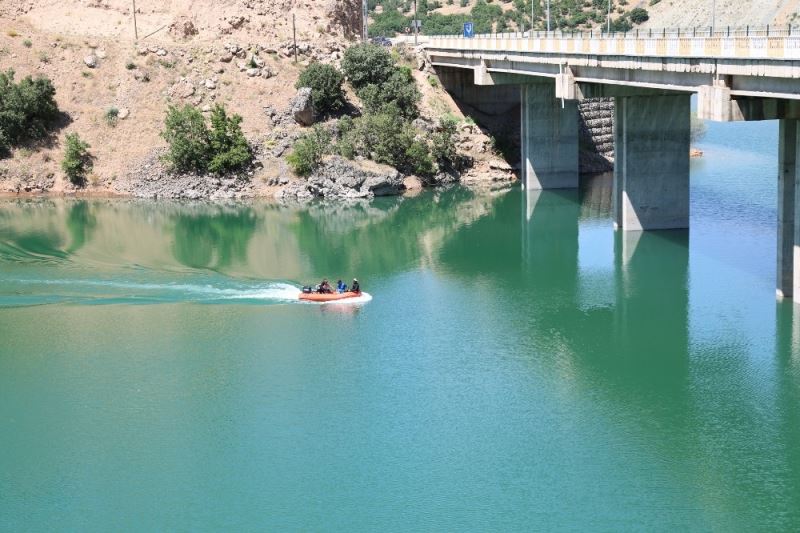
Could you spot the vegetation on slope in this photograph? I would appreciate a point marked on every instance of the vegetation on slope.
(390, 17)
(385, 132)
(27, 110)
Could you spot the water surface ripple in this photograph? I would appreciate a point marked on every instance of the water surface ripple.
(520, 367)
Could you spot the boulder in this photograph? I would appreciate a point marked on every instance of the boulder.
(499, 164)
(302, 108)
(341, 179)
(124, 113)
(90, 61)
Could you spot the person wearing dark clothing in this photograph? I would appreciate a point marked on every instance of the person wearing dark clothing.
(325, 287)
(355, 287)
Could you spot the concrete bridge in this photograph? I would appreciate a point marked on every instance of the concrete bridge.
(742, 74)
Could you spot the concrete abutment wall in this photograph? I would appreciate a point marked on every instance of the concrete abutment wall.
(498, 109)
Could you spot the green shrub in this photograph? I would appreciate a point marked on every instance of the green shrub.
(400, 89)
(326, 87)
(187, 135)
(367, 63)
(385, 137)
(639, 15)
(420, 158)
(77, 159)
(27, 109)
(111, 117)
(309, 150)
(345, 148)
(228, 145)
(27, 43)
(444, 143)
(193, 147)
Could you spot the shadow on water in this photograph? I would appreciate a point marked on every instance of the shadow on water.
(623, 332)
(385, 236)
(213, 238)
(81, 223)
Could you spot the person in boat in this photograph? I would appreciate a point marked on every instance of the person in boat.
(341, 287)
(355, 287)
(325, 287)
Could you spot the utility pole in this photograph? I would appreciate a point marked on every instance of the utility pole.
(713, 16)
(364, 21)
(548, 15)
(135, 27)
(294, 37)
(416, 24)
(608, 23)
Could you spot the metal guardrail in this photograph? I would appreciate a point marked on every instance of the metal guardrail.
(663, 33)
(779, 44)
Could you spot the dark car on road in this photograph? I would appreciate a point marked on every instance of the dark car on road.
(381, 41)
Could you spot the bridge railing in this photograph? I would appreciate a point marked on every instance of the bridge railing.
(654, 33)
(767, 42)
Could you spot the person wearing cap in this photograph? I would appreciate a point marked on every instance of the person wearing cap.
(325, 287)
(356, 288)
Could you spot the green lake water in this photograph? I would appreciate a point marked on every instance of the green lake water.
(521, 366)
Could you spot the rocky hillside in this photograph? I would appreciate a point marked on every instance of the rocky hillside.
(688, 13)
(114, 90)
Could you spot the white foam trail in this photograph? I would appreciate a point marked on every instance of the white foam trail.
(274, 291)
(268, 292)
(271, 292)
(364, 298)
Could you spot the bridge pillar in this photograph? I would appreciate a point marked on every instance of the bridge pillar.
(788, 191)
(651, 169)
(550, 157)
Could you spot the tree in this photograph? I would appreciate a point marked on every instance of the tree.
(77, 159)
(228, 145)
(193, 147)
(27, 109)
(639, 15)
(325, 82)
(367, 63)
(400, 89)
(187, 135)
(444, 143)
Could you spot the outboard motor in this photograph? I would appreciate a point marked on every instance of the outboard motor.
(307, 290)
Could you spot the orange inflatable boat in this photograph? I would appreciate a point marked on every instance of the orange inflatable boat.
(318, 297)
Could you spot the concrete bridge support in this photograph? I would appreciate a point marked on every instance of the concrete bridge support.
(550, 138)
(788, 190)
(651, 171)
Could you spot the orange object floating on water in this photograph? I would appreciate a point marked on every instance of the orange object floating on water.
(321, 297)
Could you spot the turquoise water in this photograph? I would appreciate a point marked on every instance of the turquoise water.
(521, 366)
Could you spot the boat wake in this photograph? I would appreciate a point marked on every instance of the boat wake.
(38, 291)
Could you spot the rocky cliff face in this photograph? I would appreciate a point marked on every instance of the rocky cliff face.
(597, 135)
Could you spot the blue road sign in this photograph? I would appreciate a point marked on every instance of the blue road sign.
(469, 29)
